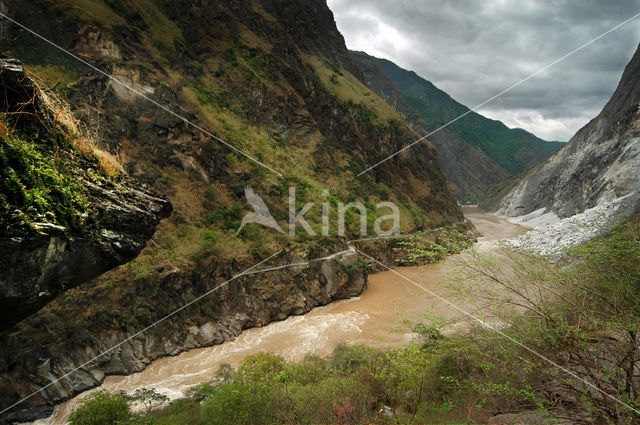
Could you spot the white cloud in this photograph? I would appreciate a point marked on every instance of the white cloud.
(474, 50)
(532, 120)
(373, 35)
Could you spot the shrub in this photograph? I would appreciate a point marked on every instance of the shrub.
(310, 371)
(259, 368)
(347, 359)
(333, 400)
(238, 403)
(179, 412)
(149, 397)
(102, 408)
(228, 218)
(583, 313)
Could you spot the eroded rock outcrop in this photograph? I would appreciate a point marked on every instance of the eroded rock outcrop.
(600, 163)
(42, 254)
(249, 301)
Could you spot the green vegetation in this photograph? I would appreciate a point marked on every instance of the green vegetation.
(268, 103)
(221, 91)
(149, 397)
(584, 315)
(351, 387)
(100, 10)
(36, 181)
(145, 15)
(102, 408)
(320, 122)
(348, 88)
(219, 85)
(515, 150)
(430, 247)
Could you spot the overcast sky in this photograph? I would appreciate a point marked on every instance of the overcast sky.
(473, 49)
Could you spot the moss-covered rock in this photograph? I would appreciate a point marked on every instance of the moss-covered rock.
(62, 220)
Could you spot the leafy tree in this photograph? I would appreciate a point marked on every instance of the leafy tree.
(225, 372)
(402, 377)
(583, 314)
(228, 405)
(102, 408)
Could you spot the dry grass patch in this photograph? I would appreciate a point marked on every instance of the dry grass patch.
(346, 87)
(108, 163)
(49, 75)
(96, 9)
(80, 136)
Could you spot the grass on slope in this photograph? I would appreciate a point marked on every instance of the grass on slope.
(36, 185)
(349, 89)
(220, 90)
(515, 150)
(211, 216)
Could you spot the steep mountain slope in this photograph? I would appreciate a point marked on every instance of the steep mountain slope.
(515, 150)
(466, 166)
(599, 164)
(65, 216)
(276, 82)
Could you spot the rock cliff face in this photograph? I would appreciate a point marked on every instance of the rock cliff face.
(42, 255)
(250, 301)
(599, 164)
(276, 82)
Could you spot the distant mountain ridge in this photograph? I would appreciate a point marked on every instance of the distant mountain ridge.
(601, 162)
(467, 167)
(475, 152)
(515, 150)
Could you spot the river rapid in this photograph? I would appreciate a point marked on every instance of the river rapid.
(375, 318)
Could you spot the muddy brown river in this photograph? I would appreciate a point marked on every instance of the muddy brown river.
(375, 318)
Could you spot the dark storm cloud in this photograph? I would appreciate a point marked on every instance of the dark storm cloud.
(475, 49)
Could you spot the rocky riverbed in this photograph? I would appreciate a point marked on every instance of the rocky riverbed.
(552, 236)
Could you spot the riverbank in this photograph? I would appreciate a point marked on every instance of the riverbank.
(374, 318)
(552, 236)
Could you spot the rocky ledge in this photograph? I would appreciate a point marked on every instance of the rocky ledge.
(247, 301)
(42, 255)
